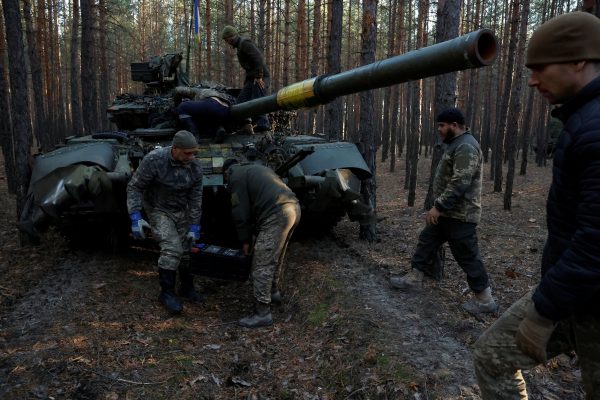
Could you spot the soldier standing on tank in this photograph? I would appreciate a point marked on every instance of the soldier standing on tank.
(561, 313)
(256, 83)
(264, 206)
(168, 186)
(454, 215)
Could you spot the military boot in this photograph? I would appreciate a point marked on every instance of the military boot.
(167, 294)
(275, 296)
(482, 302)
(261, 317)
(186, 286)
(220, 135)
(411, 281)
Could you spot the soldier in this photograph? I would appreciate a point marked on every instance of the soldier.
(262, 205)
(168, 182)
(561, 314)
(206, 114)
(455, 214)
(256, 83)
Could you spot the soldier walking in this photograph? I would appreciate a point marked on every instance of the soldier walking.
(256, 83)
(561, 314)
(262, 205)
(455, 214)
(168, 186)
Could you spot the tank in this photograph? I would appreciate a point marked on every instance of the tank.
(80, 187)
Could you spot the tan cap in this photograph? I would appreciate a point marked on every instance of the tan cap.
(568, 37)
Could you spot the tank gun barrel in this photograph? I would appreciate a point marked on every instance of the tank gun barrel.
(473, 50)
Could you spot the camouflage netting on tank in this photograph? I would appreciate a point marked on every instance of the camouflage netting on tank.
(153, 103)
(202, 92)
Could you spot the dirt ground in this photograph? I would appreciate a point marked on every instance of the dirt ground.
(87, 325)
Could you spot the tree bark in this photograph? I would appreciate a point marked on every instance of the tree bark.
(514, 108)
(333, 110)
(104, 91)
(39, 119)
(315, 56)
(366, 126)
(498, 153)
(76, 116)
(19, 170)
(448, 18)
(527, 123)
(5, 123)
(88, 76)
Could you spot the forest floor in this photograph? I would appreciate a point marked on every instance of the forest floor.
(87, 325)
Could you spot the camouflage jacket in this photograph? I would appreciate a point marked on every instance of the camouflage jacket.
(457, 181)
(166, 185)
(251, 59)
(256, 193)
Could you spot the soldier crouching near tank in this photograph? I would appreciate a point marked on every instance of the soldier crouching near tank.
(168, 182)
(262, 204)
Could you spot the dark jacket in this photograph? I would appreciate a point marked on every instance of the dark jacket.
(251, 59)
(570, 282)
(166, 185)
(457, 181)
(256, 193)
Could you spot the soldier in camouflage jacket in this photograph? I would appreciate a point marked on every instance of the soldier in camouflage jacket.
(455, 214)
(168, 186)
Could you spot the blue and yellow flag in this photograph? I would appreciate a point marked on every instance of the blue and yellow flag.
(196, 21)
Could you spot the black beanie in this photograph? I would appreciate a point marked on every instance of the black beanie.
(450, 115)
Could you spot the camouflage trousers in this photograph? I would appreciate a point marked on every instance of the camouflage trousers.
(269, 250)
(498, 361)
(170, 231)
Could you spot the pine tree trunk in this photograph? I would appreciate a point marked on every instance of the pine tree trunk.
(367, 123)
(88, 76)
(5, 123)
(448, 17)
(39, 118)
(18, 171)
(514, 108)
(333, 110)
(76, 116)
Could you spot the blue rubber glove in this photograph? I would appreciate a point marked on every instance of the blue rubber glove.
(194, 232)
(138, 225)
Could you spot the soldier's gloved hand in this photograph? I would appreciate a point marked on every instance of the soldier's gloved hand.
(533, 334)
(194, 232)
(138, 225)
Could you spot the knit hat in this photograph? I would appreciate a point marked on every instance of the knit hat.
(228, 31)
(185, 140)
(451, 115)
(568, 37)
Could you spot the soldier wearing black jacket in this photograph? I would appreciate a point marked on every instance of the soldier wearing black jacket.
(562, 313)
